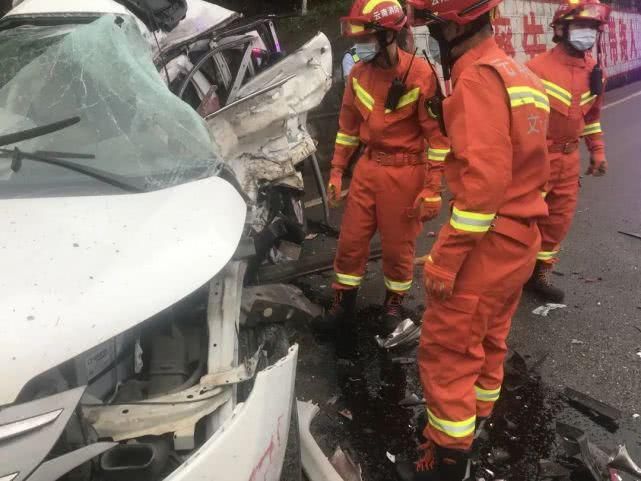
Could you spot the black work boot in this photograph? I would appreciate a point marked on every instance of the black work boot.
(541, 284)
(342, 307)
(436, 464)
(392, 312)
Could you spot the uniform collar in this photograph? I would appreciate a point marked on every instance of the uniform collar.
(399, 69)
(472, 55)
(561, 54)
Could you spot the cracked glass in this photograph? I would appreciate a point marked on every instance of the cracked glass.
(103, 73)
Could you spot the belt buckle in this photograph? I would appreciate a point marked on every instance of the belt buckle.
(568, 147)
(381, 157)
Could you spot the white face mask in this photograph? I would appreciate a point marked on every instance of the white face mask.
(582, 39)
(367, 51)
(434, 49)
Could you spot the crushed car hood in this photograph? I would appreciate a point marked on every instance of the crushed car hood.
(77, 271)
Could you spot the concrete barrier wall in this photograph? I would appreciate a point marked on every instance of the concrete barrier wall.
(523, 30)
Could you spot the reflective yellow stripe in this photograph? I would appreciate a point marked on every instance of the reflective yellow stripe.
(487, 395)
(409, 97)
(372, 4)
(432, 199)
(366, 99)
(546, 255)
(437, 155)
(558, 92)
(591, 129)
(348, 140)
(587, 97)
(398, 286)
(471, 221)
(348, 280)
(454, 429)
(528, 96)
(544, 194)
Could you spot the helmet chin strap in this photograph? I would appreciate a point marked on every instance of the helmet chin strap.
(446, 46)
(384, 43)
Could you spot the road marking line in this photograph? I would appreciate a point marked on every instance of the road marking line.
(620, 101)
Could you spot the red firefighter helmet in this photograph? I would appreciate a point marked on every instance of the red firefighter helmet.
(582, 10)
(370, 16)
(422, 12)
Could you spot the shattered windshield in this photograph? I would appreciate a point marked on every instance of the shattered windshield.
(131, 125)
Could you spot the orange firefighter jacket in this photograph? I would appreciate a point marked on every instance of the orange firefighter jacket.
(407, 129)
(575, 111)
(496, 120)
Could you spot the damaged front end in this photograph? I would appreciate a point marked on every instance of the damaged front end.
(255, 99)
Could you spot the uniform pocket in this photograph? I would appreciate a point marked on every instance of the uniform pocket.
(450, 323)
(400, 114)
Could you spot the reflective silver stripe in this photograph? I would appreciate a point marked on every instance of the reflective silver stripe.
(592, 129)
(454, 429)
(528, 96)
(348, 280)
(546, 255)
(437, 155)
(347, 140)
(487, 395)
(398, 286)
(471, 221)
(558, 92)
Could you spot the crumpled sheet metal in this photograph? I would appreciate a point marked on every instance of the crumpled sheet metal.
(156, 416)
(547, 308)
(279, 294)
(264, 138)
(345, 466)
(405, 333)
(315, 464)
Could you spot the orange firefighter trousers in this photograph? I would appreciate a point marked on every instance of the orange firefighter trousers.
(463, 342)
(561, 198)
(381, 197)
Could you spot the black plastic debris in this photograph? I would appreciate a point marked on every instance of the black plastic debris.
(630, 234)
(550, 470)
(601, 413)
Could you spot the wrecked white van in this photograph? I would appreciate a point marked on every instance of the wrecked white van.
(123, 343)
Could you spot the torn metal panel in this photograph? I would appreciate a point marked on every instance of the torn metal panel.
(315, 464)
(405, 333)
(157, 416)
(236, 375)
(264, 419)
(202, 17)
(264, 300)
(265, 137)
(622, 461)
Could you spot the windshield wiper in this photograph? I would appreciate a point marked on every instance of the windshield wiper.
(28, 134)
(57, 158)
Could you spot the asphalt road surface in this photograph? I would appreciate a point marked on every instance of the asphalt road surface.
(593, 345)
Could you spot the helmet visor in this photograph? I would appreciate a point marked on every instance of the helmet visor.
(590, 11)
(356, 27)
(419, 16)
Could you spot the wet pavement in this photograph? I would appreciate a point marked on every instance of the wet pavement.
(590, 346)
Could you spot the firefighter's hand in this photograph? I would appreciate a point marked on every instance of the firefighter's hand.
(334, 187)
(598, 167)
(439, 283)
(427, 205)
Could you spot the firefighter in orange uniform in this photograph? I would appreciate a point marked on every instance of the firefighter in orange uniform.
(395, 186)
(574, 84)
(496, 120)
